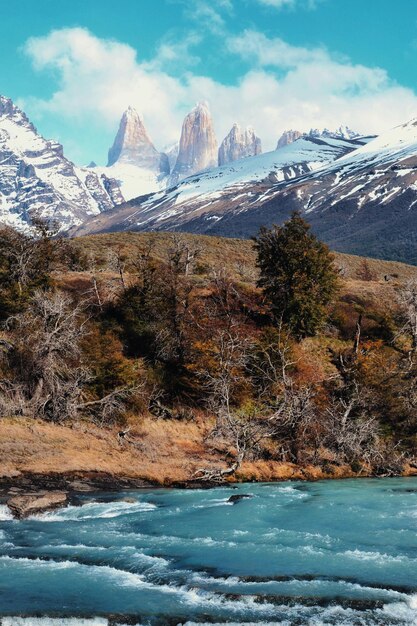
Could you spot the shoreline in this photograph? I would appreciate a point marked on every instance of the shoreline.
(33, 493)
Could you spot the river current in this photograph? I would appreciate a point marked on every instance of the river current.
(293, 554)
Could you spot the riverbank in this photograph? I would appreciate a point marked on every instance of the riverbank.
(40, 458)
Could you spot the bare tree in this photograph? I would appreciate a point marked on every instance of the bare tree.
(43, 370)
(407, 298)
(181, 254)
(116, 261)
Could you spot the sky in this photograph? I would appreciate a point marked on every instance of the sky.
(74, 66)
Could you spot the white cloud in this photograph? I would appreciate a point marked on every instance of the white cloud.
(278, 4)
(289, 4)
(285, 87)
(208, 14)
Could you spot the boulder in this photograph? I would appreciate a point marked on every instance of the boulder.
(27, 504)
(239, 496)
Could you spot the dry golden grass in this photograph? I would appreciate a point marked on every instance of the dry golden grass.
(237, 255)
(161, 452)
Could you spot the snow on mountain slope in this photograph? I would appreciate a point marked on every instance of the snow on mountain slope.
(134, 181)
(360, 197)
(381, 170)
(230, 187)
(35, 177)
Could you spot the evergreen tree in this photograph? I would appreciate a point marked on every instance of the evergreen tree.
(296, 274)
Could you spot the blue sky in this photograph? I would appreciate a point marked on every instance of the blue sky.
(275, 64)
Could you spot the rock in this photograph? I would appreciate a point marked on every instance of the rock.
(288, 137)
(133, 145)
(239, 144)
(22, 506)
(78, 485)
(172, 154)
(198, 145)
(239, 496)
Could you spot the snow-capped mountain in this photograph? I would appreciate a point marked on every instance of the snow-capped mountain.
(359, 195)
(36, 178)
(141, 169)
(343, 132)
(133, 161)
(206, 199)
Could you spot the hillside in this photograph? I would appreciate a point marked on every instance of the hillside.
(235, 255)
(359, 196)
(169, 423)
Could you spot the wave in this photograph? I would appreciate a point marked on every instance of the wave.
(95, 510)
(378, 557)
(5, 513)
(54, 621)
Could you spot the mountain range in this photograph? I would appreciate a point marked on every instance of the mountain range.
(359, 193)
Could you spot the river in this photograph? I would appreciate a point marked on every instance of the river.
(294, 554)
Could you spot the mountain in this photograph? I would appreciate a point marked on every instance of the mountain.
(36, 178)
(133, 145)
(287, 137)
(239, 144)
(198, 145)
(133, 159)
(172, 154)
(359, 195)
(201, 203)
(343, 132)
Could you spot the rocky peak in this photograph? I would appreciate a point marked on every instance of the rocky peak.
(287, 137)
(36, 178)
(239, 144)
(343, 132)
(8, 110)
(133, 145)
(198, 144)
(6, 106)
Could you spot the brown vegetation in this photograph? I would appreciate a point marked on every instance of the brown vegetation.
(156, 357)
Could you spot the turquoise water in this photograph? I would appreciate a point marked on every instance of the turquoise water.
(325, 553)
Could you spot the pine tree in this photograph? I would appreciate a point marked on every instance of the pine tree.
(296, 274)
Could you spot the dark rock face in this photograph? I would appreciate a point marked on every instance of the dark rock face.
(198, 145)
(24, 505)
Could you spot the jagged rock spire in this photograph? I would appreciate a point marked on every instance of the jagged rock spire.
(287, 137)
(239, 144)
(198, 144)
(133, 145)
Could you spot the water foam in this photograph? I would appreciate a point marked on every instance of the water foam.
(95, 510)
(5, 513)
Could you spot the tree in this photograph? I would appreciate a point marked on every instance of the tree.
(26, 263)
(42, 367)
(296, 274)
(364, 271)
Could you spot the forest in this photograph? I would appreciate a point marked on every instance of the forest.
(278, 351)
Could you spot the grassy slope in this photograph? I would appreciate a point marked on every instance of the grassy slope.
(218, 252)
(167, 451)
